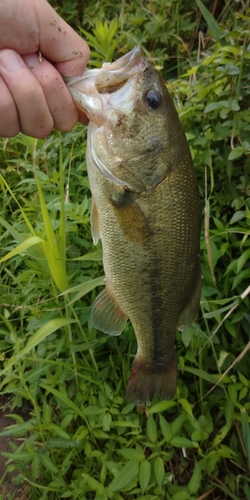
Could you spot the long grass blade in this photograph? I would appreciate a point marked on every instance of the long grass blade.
(22, 247)
(38, 337)
(211, 22)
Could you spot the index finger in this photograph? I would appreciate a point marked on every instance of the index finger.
(61, 44)
(42, 29)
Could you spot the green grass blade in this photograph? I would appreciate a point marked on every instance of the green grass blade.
(84, 288)
(14, 233)
(50, 235)
(57, 269)
(65, 400)
(22, 247)
(212, 378)
(245, 427)
(211, 22)
(56, 260)
(38, 337)
(20, 207)
(92, 256)
(62, 231)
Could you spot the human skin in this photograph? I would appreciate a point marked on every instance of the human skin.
(36, 48)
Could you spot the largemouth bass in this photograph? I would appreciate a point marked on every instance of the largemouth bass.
(145, 209)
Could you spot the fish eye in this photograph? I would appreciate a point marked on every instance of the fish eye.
(153, 99)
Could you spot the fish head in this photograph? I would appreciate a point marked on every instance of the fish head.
(134, 127)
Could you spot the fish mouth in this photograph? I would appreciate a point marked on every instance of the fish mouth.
(97, 89)
(128, 61)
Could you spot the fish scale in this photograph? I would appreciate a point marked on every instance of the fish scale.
(146, 212)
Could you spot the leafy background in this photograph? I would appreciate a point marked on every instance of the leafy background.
(79, 438)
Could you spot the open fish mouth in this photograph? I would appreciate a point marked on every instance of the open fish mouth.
(114, 75)
(97, 89)
(128, 61)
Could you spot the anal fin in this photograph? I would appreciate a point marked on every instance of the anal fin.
(106, 315)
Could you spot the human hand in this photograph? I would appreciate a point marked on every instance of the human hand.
(33, 96)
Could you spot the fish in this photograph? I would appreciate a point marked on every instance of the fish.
(146, 211)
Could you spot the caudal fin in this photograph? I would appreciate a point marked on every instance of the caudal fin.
(148, 382)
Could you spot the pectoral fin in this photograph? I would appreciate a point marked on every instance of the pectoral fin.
(131, 218)
(106, 314)
(95, 224)
(190, 313)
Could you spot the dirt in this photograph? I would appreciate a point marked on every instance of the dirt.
(8, 488)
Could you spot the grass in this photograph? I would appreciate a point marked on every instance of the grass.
(82, 440)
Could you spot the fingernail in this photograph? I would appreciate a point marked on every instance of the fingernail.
(10, 60)
(31, 60)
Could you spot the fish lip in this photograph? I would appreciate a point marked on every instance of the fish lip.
(128, 61)
(90, 91)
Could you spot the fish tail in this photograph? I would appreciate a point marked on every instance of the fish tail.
(148, 382)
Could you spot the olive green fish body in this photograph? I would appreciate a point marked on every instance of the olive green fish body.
(146, 212)
(152, 274)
